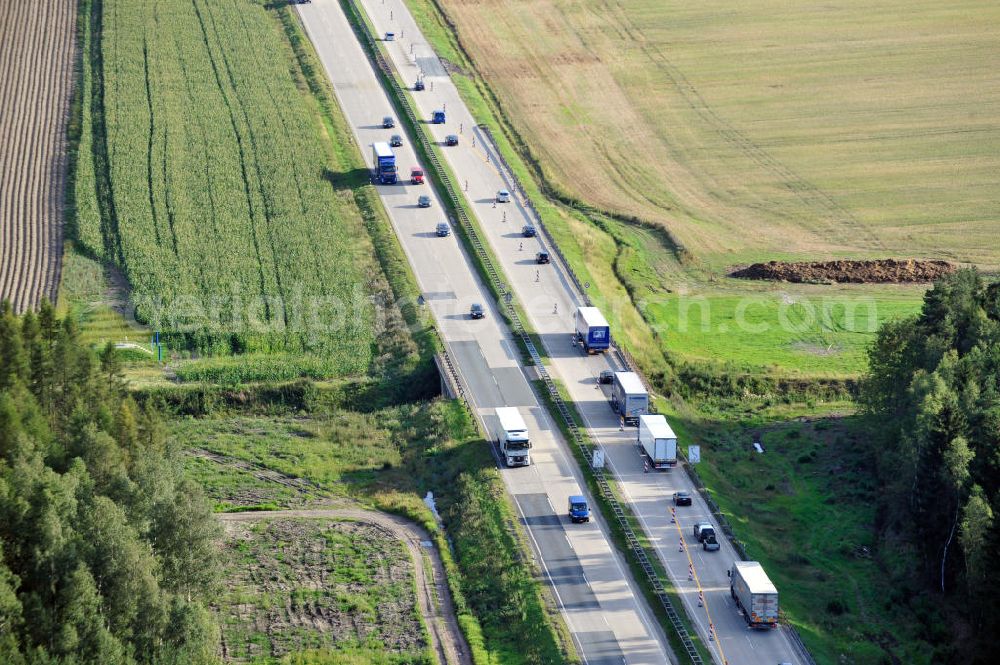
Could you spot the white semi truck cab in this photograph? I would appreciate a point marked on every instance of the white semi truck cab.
(513, 439)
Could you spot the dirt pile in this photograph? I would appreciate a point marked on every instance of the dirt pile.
(879, 271)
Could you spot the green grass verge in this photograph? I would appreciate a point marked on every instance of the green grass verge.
(806, 509)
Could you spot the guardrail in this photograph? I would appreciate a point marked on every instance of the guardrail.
(517, 327)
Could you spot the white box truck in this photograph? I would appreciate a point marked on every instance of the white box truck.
(754, 594)
(629, 398)
(657, 441)
(513, 439)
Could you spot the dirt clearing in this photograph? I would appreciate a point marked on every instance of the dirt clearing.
(883, 271)
(36, 78)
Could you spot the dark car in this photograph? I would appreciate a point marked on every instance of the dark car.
(606, 376)
(542, 257)
(443, 230)
(682, 499)
(477, 311)
(395, 140)
(419, 85)
(528, 231)
(388, 122)
(703, 530)
(451, 139)
(424, 201)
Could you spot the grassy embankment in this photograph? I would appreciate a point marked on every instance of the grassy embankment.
(390, 374)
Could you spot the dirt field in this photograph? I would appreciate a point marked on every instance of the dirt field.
(36, 59)
(887, 271)
(763, 131)
(294, 577)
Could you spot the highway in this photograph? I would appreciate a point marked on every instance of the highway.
(550, 300)
(609, 622)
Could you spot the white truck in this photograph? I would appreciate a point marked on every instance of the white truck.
(754, 594)
(629, 398)
(513, 439)
(657, 441)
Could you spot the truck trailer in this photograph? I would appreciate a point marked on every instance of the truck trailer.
(754, 594)
(513, 439)
(592, 330)
(385, 163)
(657, 441)
(629, 398)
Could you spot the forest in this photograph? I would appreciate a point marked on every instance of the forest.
(932, 392)
(108, 553)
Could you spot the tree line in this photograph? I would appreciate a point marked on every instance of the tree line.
(106, 552)
(933, 393)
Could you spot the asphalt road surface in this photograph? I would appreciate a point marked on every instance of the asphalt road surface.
(607, 618)
(550, 301)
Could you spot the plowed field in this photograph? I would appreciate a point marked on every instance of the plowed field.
(36, 76)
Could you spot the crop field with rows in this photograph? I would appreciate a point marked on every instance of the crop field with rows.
(36, 66)
(210, 188)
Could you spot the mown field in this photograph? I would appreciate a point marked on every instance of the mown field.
(762, 131)
(207, 184)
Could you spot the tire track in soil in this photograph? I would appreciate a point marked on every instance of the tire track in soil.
(433, 595)
(37, 50)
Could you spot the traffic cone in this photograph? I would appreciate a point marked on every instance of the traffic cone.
(673, 516)
(701, 599)
(680, 544)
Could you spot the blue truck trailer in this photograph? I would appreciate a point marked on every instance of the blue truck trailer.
(385, 163)
(592, 330)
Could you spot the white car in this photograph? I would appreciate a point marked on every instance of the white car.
(503, 196)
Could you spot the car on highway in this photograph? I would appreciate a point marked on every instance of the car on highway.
(703, 531)
(682, 498)
(419, 85)
(579, 511)
(451, 139)
(416, 175)
(390, 36)
(477, 311)
(423, 201)
(388, 122)
(710, 544)
(528, 231)
(606, 376)
(395, 140)
(443, 230)
(542, 257)
(503, 196)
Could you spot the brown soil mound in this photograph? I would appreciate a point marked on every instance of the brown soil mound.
(849, 272)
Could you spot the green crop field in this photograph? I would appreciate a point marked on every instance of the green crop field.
(765, 130)
(211, 187)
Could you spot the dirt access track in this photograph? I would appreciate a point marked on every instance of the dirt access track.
(433, 595)
(37, 48)
(880, 271)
